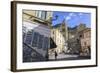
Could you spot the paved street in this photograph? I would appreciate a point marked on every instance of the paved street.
(63, 56)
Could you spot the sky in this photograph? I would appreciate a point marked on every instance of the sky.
(72, 19)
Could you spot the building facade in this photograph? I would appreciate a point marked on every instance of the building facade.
(74, 44)
(36, 35)
(59, 34)
(85, 38)
(42, 15)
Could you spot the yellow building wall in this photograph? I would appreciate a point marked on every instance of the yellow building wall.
(59, 40)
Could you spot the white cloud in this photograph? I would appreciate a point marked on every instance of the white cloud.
(67, 18)
(72, 14)
(80, 13)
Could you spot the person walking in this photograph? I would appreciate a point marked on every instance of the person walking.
(55, 55)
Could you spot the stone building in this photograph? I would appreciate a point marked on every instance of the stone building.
(85, 38)
(74, 44)
(59, 34)
(36, 35)
(73, 31)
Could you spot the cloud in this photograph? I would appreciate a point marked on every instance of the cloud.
(67, 18)
(70, 15)
(80, 14)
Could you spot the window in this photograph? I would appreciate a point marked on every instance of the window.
(46, 43)
(37, 13)
(35, 39)
(40, 41)
(28, 37)
(24, 29)
(41, 14)
(82, 36)
(84, 43)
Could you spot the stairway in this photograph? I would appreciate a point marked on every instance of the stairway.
(31, 55)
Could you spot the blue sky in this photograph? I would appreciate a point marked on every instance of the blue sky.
(72, 18)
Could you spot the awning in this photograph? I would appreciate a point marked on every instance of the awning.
(52, 44)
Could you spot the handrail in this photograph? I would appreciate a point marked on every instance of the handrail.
(32, 49)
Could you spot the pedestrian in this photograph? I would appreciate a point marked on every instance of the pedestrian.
(55, 55)
(46, 56)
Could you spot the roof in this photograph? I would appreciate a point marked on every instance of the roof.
(57, 25)
(85, 30)
(72, 28)
(52, 44)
